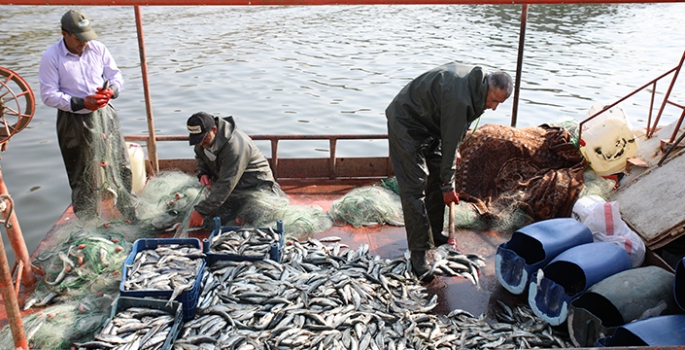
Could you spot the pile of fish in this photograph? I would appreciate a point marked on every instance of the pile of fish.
(325, 296)
(167, 267)
(447, 261)
(133, 328)
(247, 241)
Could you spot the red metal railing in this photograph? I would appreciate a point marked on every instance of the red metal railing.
(310, 2)
(651, 128)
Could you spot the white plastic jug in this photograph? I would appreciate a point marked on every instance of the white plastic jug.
(135, 152)
(607, 140)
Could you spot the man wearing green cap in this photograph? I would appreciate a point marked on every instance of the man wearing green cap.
(78, 76)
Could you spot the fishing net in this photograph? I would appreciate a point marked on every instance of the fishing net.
(104, 161)
(391, 184)
(503, 215)
(571, 125)
(596, 185)
(167, 199)
(264, 209)
(89, 261)
(370, 205)
(60, 325)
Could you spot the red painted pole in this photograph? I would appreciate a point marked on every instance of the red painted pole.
(9, 295)
(16, 239)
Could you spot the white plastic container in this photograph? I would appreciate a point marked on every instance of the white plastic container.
(607, 141)
(135, 152)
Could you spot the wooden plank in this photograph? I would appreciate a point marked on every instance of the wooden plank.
(652, 200)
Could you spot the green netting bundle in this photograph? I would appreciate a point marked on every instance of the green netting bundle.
(264, 208)
(371, 205)
(166, 199)
(391, 184)
(571, 125)
(596, 185)
(61, 325)
(89, 261)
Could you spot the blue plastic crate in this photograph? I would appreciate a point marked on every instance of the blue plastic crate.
(188, 297)
(274, 253)
(122, 303)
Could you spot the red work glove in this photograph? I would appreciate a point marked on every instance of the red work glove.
(96, 101)
(108, 93)
(450, 196)
(205, 180)
(196, 219)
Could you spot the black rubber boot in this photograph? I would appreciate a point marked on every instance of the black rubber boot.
(420, 266)
(440, 238)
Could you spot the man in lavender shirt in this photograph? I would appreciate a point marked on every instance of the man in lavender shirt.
(79, 77)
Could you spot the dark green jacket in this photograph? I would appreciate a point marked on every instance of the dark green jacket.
(239, 166)
(440, 103)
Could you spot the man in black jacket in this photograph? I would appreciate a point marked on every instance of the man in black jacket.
(427, 121)
(229, 164)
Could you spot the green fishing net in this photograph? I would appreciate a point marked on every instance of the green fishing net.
(60, 325)
(167, 199)
(596, 185)
(264, 209)
(89, 261)
(504, 215)
(370, 205)
(571, 125)
(103, 151)
(89, 253)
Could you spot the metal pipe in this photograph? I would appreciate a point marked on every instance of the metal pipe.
(313, 2)
(519, 64)
(274, 157)
(11, 305)
(332, 145)
(16, 239)
(9, 295)
(668, 93)
(651, 107)
(152, 141)
(270, 137)
(606, 108)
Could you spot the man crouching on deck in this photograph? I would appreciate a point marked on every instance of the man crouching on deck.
(427, 121)
(230, 165)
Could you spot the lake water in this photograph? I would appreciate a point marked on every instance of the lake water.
(329, 69)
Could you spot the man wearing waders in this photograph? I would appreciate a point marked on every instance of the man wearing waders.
(78, 76)
(427, 121)
(230, 165)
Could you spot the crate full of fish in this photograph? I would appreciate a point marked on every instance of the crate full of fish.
(165, 268)
(243, 243)
(139, 323)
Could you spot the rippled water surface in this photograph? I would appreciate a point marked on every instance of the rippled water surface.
(330, 69)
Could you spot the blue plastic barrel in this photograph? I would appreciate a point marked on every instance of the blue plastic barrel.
(534, 246)
(679, 284)
(570, 274)
(666, 330)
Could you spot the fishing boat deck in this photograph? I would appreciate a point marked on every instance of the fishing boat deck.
(390, 242)
(385, 241)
